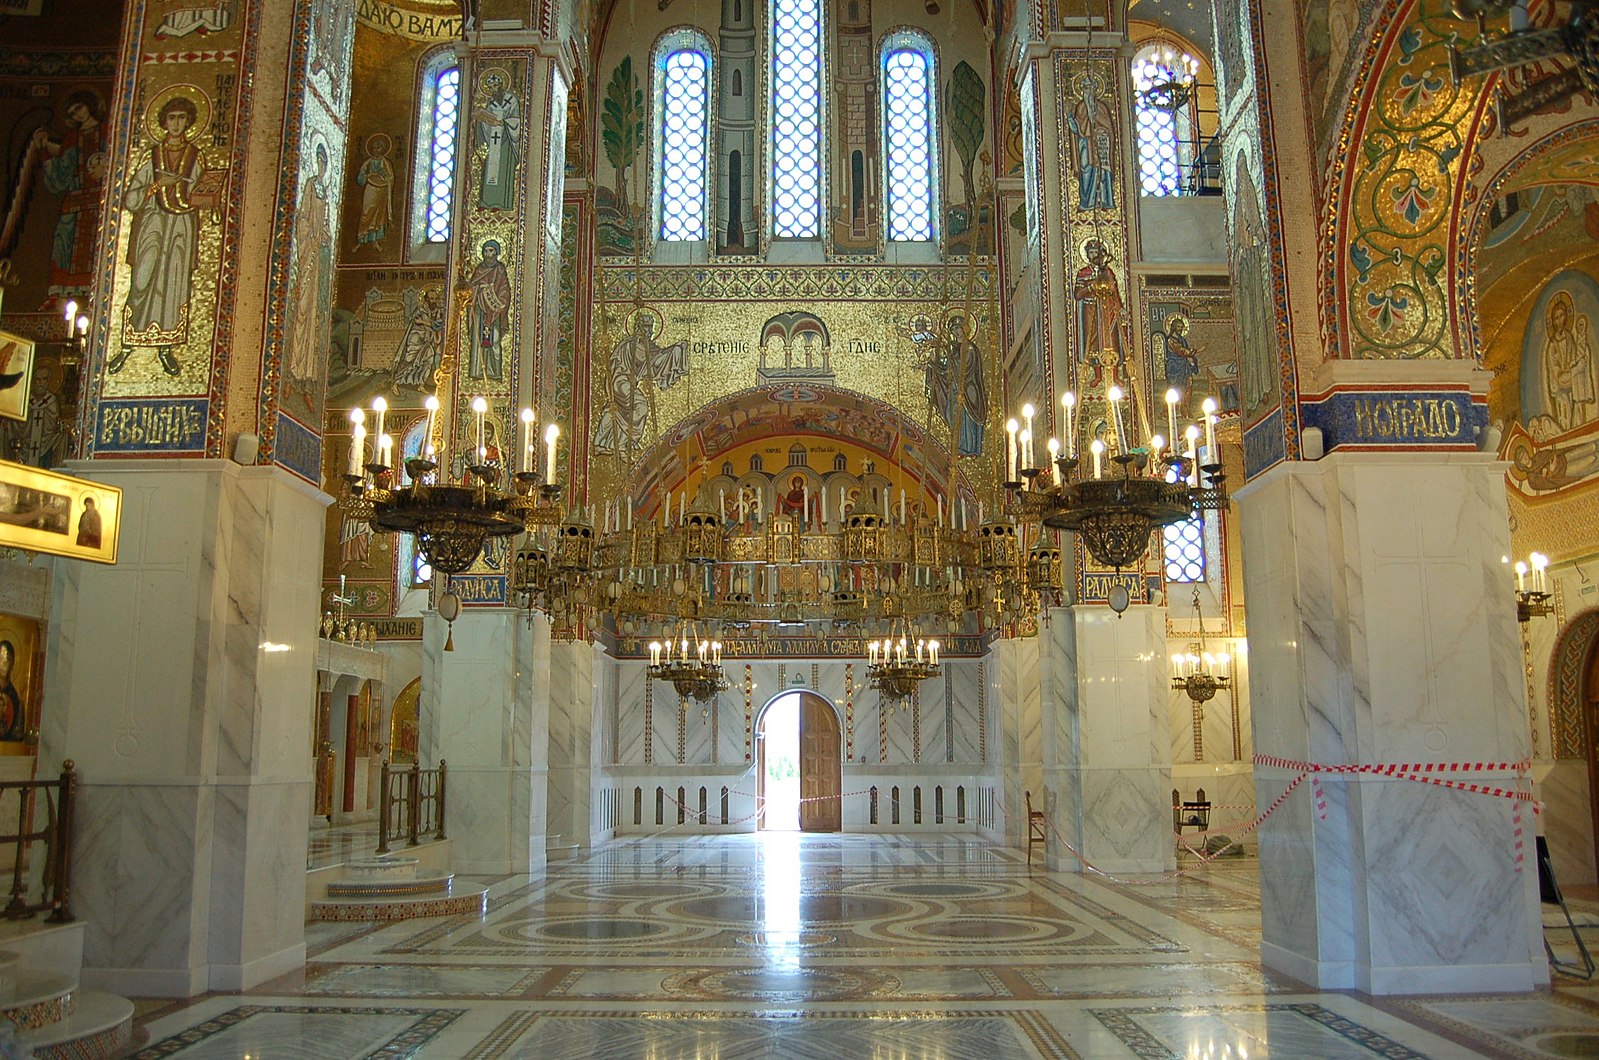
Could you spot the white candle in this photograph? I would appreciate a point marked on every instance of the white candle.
(805, 502)
(742, 507)
(932, 652)
(527, 438)
(821, 495)
(1068, 401)
(980, 513)
(666, 512)
(902, 507)
(432, 405)
(1209, 408)
(1053, 445)
(1172, 397)
(480, 408)
(1011, 427)
(885, 505)
(1521, 576)
(1114, 395)
(386, 450)
(379, 406)
(551, 433)
(1025, 441)
(357, 452)
(1156, 444)
(941, 511)
(1098, 449)
(682, 506)
(1192, 434)
(655, 653)
(1027, 427)
(965, 525)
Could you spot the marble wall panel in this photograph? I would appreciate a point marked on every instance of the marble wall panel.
(630, 678)
(962, 675)
(1567, 819)
(935, 706)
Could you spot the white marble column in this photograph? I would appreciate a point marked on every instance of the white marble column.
(182, 680)
(571, 761)
(1382, 630)
(1013, 677)
(1106, 749)
(487, 705)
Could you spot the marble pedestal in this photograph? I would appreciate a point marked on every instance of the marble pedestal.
(485, 710)
(1103, 688)
(1382, 630)
(182, 680)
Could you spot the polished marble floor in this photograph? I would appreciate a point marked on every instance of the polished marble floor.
(789, 945)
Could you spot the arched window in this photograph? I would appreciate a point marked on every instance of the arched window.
(1163, 102)
(908, 139)
(1184, 546)
(439, 118)
(796, 133)
(683, 99)
(414, 570)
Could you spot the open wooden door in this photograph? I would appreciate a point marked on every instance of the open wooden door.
(821, 781)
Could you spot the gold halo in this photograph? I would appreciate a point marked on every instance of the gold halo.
(505, 76)
(193, 93)
(660, 320)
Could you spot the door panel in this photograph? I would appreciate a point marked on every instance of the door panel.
(820, 767)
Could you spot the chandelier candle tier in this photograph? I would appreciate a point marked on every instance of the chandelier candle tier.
(900, 661)
(1123, 493)
(690, 663)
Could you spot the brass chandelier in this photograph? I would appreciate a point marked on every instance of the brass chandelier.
(1198, 674)
(689, 662)
(1114, 509)
(900, 661)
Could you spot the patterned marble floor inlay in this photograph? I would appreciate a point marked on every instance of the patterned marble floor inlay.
(794, 946)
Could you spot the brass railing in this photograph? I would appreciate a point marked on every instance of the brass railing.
(55, 880)
(410, 805)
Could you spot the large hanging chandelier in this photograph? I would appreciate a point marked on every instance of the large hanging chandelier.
(689, 662)
(1120, 496)
(900, 661)
(451, 520)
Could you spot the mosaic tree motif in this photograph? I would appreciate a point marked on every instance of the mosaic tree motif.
(622, 134)
(966, 125)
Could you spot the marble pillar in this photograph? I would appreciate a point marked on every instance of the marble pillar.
(487, 707)
(1106, 751)
(182, 681)
(1013, 676)
(1382, 630)
(571, 745)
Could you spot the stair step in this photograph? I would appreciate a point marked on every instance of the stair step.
(457, 900)
(416, 887)
(40, 998)
(389, 866)
(101, 1025)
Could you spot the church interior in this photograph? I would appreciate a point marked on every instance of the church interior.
(917, 528)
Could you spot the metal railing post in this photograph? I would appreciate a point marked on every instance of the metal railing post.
(413, 803)
(65, 825)
(440, 806)
(383, 809)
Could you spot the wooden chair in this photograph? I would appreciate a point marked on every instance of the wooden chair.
(1193, 813)
(1036, 833)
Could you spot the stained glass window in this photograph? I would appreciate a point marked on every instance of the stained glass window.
(1185, 546)
(684, 78)
(908, 139)
(796, 118)
(440, 160)
(1162, 83)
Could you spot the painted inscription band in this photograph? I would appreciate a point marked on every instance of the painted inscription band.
(1397, 419)
(163, 425)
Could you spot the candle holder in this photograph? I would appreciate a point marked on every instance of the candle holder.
(1531, 604)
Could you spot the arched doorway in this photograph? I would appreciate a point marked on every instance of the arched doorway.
(799, 734)
(1590, 716)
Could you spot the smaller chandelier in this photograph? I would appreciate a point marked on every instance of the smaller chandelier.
(1532, 588)
(900, 661)
(1198, 674)
(691, 664)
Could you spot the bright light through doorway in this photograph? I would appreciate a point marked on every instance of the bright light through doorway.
(781, 783)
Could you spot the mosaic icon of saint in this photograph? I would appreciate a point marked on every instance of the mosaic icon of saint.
(1568, 357)
(491, 303)
(164, 238)
(376, 180)
(497, 127)
(637, 362)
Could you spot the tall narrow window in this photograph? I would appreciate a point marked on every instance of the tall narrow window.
(1163, 89)
(683, 75)
(796, 118)
(440, 161)
(1184, 546)
(908, 136)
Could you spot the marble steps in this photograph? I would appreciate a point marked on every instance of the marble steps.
(558, 848)
(40, 997)
(398, 896)
(101, 1025)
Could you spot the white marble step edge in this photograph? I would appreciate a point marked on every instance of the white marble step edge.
(424, 884)
(454, 890)
(37, 988)
(98, 1015)
(385, 867)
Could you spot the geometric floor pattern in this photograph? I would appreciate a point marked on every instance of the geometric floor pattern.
(789, 945)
